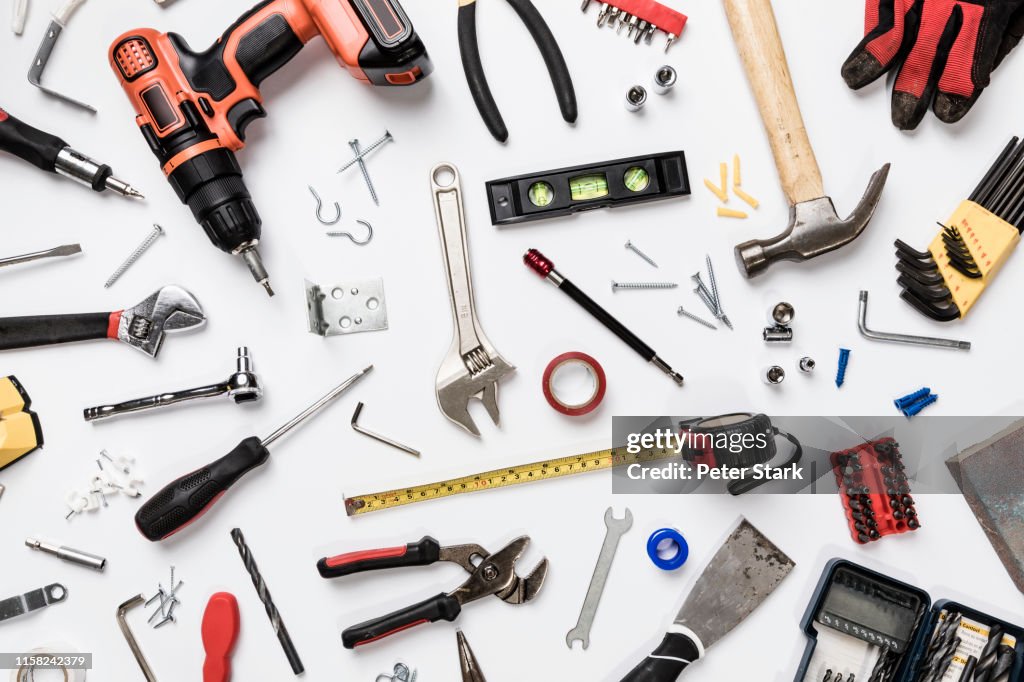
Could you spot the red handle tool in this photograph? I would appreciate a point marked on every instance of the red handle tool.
(221, 622)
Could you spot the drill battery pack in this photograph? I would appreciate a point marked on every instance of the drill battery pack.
(20, 430)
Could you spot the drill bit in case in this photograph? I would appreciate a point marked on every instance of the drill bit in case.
(867, 626)
(20, 430)
(947, 280)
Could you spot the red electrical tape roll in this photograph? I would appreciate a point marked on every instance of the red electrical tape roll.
(595, 369)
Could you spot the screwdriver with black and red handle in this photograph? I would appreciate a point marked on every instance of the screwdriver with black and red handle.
(186, 499)
(53, 155)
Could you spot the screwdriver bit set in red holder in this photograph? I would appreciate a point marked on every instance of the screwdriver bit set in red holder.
(641, 18)
(874, 490)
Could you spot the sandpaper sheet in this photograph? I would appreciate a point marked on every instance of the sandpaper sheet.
(991, 476)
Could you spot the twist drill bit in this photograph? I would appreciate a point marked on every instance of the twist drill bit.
(946, 659)
(268, 602)
(1004, 664)
(943, 632)
(987, 657)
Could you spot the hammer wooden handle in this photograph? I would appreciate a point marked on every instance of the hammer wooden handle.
(757, 37)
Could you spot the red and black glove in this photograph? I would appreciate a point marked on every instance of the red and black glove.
(945, 51)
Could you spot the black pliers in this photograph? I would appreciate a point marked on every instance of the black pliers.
(469, 48)
(490, 574)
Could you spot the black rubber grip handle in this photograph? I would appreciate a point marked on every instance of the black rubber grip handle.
(423, 553)
(667, 662)
(183, 501)
(603, 316)
(553, 57)
(441, 607)
(38, 148)
(46, 330)
(469, 49)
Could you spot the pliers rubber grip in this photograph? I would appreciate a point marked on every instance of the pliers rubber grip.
(423, 553)
(469, 48)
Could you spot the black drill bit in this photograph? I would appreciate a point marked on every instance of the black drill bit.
(268, 602)
(987, 657)
(1004, 664)
(946, 659)
(944, 631)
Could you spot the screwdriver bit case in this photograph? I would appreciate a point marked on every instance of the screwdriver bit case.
(877, 609)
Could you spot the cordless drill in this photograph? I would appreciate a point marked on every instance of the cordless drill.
(193, 107)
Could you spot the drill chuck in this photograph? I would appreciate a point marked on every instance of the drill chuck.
(211, 184)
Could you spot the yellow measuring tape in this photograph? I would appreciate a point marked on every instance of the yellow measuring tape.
(502, 478)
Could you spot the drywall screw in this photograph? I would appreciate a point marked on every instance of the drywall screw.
(844, 360)
(807, 365)
(632, 247)
(135, 255)
(366, 174)
(710, 301)
(706, 298)
(915, 409)
(643, 285)
(908, 400)
(366, 151)
(698, 320)
(714, 293)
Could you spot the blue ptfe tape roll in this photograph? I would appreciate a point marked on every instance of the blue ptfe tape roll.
(676, 540)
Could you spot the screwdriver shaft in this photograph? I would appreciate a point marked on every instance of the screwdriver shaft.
(315, 407)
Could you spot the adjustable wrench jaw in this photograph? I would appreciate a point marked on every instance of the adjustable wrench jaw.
(169, 310)
(457, 384)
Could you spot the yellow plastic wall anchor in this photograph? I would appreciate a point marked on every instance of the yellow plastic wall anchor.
(990, 240)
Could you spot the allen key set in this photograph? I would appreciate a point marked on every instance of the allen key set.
(653, 246)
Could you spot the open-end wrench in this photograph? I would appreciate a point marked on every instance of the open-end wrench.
(472, 368)
(616, 529)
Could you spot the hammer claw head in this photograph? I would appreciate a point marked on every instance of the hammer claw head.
(814, 229)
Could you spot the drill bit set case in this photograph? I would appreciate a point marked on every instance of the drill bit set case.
(865, 626)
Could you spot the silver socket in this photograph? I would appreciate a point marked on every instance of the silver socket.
(778, 334)
(72, 556)
(807, 365)
(636, 98)
(664, 79)
(783, 314)
(774, 375)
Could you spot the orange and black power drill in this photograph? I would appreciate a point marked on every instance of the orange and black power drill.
(193, 107)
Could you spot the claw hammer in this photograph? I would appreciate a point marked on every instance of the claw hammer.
(814, 227)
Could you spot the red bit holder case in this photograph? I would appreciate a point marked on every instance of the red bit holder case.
(874, 490)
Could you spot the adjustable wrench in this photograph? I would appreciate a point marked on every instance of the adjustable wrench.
(616, 529)
(472, 368)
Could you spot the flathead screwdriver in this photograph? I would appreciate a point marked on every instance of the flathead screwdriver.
(184, 500)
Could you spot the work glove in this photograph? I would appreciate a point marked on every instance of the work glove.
(945, 51)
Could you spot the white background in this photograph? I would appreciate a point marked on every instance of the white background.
(292, 511)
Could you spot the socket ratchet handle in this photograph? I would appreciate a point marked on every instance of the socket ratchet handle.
(423, 553)
(438, 608)
(189, 497)
(154, 401)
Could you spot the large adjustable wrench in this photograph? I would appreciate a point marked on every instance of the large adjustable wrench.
(472, 368)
